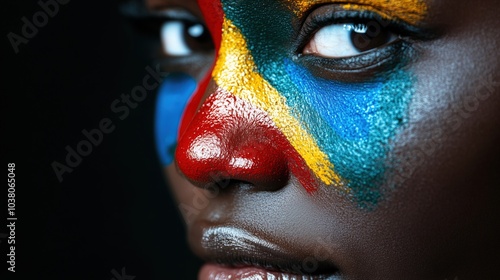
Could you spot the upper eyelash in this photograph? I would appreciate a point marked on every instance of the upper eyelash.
(310, 27)
(150, 24)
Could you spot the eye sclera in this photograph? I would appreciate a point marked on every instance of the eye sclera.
(181, 38)
(343, 40)
(172, 34)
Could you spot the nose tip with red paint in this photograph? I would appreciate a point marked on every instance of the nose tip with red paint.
(229, 140)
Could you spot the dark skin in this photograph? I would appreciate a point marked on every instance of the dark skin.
(442, 222)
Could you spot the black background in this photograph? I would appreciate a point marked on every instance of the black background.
(114, 211)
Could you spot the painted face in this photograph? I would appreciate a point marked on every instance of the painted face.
(335, 139)
(328, 129)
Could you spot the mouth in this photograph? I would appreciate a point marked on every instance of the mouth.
(217, 272)
(234, 253)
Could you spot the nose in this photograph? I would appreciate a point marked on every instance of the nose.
(229, 139)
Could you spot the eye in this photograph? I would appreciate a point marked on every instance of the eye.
(181, 38)
(348, 39)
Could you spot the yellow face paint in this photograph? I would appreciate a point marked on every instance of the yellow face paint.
(235, 72)
(410, 11)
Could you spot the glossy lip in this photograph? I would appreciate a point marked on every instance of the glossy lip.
(236, 248)
(216, 272)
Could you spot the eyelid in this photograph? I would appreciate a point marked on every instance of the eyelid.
(410, 11)
(150, 22)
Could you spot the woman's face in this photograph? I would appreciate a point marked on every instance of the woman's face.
(351, 139)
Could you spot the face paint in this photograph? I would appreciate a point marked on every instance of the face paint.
(172, 98)
(356, 134)
(233, 72)
(263, 151)
(338, 131)
(410, 11)
(213, 15)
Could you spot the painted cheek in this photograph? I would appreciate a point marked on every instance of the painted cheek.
(172, 98)
(355, 123)
(345, 107)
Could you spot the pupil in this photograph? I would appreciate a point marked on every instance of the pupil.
(197, 37)
(367, 37)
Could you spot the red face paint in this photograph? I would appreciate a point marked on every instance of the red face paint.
(232, 138)
(214, 16)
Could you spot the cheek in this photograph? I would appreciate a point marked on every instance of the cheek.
(172, 97)
(354, 124)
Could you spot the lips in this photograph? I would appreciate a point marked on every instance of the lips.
(216, 272)
(234, 253)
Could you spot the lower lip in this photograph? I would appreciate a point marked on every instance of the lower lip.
(216, 272)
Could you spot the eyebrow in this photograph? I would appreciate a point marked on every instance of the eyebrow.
(410, 11)
(138, 10)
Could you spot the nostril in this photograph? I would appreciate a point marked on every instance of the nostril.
(259, 164)
(209, 157)
(206, 161)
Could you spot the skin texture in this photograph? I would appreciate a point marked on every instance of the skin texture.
(433, 209)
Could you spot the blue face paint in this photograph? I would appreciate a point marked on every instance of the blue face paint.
(354, 123)
(173, 96)
(346, 107)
